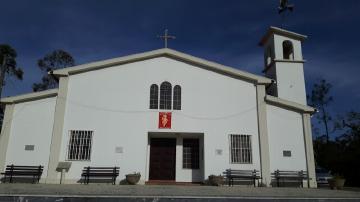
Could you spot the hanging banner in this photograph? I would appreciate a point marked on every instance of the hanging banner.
(164, 119)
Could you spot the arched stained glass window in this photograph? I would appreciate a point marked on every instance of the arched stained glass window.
(154, 96)
(165, 95)
(177, 98)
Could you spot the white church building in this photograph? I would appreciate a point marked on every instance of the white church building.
(169, 116)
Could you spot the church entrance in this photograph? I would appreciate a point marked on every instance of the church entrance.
(162, 159)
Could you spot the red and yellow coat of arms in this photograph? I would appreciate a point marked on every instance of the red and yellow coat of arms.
(164, 119)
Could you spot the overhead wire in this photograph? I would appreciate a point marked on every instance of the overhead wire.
(179, 112)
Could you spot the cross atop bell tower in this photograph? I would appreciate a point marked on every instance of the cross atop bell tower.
(165, 37)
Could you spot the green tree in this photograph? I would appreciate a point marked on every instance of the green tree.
(351, 123)
(320, 98)
(8, 65)
(348, 148)
(8, 68)
(55, 60)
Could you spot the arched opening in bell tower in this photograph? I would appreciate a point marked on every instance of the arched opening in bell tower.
(288, 50)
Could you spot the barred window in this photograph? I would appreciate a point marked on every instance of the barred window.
(154, 96)
(177, 98)
(240, 147)
(165, 95)
(79, 147)
(191, 153)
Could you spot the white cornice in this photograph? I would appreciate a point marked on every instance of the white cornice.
(283, 32)
(289, 104)
(282, 60)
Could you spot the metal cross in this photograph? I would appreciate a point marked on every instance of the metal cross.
(165, 37)
(283, 8)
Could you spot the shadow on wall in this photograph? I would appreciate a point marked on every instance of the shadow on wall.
(16, 179)
(285, 183)
(240, 182)
(124, 182)
(107, 181)
(96, 180)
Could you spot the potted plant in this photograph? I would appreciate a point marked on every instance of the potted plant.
(133, 178)
(337, 182)
(216, 180)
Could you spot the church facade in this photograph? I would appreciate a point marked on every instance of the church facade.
(169, 116)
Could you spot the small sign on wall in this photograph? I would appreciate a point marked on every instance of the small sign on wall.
(287, 153)
(29, 147)
(164, 119)
(119, 150)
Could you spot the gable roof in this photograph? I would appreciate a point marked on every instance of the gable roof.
(165, 52)
(29, 96)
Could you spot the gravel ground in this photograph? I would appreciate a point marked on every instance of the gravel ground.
(92, 190)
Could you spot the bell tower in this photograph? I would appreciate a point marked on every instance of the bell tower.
(284, 63)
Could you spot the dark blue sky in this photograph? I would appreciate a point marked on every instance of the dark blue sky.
(223, 31)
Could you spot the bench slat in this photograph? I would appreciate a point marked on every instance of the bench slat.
(100, 174)
(24, 169)
(19, 166)
(17, 173)
(99, 171)
(101, 168)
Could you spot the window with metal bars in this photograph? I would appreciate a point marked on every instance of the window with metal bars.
(191, 153)
(165, 95)
(240, 149)
(177, 98)
(79, 147)
(154, 96)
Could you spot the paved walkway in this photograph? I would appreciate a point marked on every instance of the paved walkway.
(104, 190)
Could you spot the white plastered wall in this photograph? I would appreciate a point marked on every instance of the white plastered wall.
(114, 103)
(291, 82)
(32, 124)
(285, 130)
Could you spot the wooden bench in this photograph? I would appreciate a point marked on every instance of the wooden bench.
(289, 176)
(99, 173)
(15, 171)
(252, 175)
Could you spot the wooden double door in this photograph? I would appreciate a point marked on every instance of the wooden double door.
(162, 158)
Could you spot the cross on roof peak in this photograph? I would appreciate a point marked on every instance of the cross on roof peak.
(165, 37)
